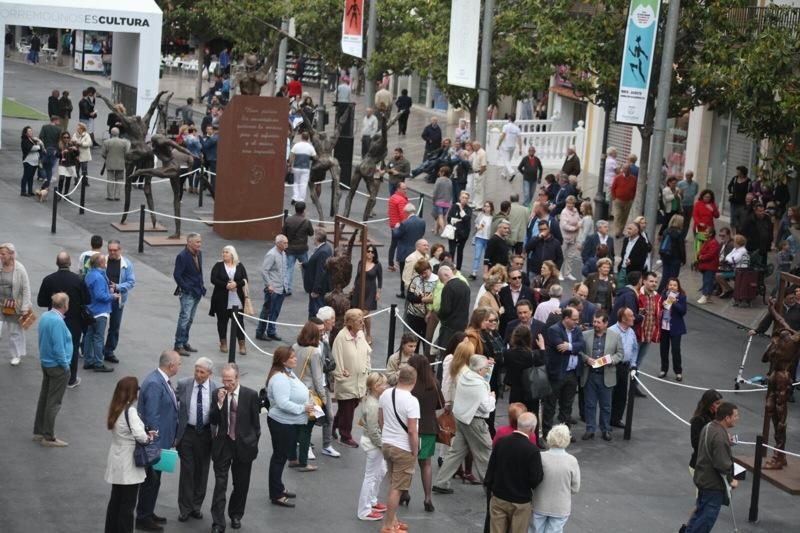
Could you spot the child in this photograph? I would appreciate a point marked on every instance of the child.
(368, 506)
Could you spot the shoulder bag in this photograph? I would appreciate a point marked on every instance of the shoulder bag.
(535, 383)
(394, 407)
(144, 454)
(446, 424)
(315, 398)
(248, 303)
(449, 232)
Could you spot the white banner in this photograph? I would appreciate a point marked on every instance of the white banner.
(462, 56)
(353, 28)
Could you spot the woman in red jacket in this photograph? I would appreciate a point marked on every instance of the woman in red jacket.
(704, 212)
(708, 262)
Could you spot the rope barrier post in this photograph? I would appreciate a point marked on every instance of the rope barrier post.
(392, 327)
(232, 336)
(754, 492)
(421, 203)
(200, 189)
(83, 195)
(141, 228)
(629, 409)
(55, 211)
(285, 214)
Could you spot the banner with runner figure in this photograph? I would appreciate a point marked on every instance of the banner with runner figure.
(637, 60)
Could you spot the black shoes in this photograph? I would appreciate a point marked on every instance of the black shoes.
(618, 424)
(111, 358)
(236, 523)
(183, 518)
(158, 519)
(188, 348)
(274, 338)
(261, 338)
(196, 514)
(103, 368)
(607, 436)
(589, 435)
(148, 524)
(182, 351)
(441, 490)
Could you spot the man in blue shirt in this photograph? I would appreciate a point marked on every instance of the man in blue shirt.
(55, 353)
(598, 381)
(630, 347)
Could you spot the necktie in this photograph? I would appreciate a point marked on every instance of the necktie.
(198, 426)
(232, 408)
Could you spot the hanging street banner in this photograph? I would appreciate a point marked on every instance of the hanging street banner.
(462, 56)
(637, 60)
(353, 28)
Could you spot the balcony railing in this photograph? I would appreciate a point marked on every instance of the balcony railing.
(551, 146)
(760, 18)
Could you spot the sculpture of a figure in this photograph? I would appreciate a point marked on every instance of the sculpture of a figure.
(369, 169)
(782, 355)
(340, 270)
(325, 162)
(250, 80)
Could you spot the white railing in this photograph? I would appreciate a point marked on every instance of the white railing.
(551, 146)
(526, 126)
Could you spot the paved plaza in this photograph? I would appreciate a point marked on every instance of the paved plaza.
(627, 486)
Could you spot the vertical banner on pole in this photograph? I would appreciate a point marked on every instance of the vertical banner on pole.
(462, 55)
(637, 60)
(353, 28)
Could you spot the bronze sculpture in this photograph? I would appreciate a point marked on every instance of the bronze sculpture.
(250, 80)
(340, 270)
(325, 162)
(782, 355)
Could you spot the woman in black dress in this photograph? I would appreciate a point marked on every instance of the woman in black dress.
(228, 277)
(373, 286)
(518, 358)
(460, 216)
(493, 346)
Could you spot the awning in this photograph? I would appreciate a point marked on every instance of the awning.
(566, 93)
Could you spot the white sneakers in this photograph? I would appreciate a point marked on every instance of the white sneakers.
(15, 361)
(311, 456)
(73, 385)
(55, 443)
(330, 452)
(703, 300)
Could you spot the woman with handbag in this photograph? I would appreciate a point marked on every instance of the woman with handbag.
(602, 285)
(67, 162)
(518, 359)
(32, 149)
(290, 407)
(372, 289)
(15, 297)
(368, 506)
(442, 197)
(83, 140)
(673, 327)
(121, 471)
(352, 354)
(460, 217)
(229, 278)
(309, 361)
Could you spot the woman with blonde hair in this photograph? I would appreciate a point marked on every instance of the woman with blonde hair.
(497, 271)
(352, 355)
(548, 276)
(368, 506)
(83, 140)
(229, 278)
(15, 298)
(490, 298)
(601, 284)
(474, 327)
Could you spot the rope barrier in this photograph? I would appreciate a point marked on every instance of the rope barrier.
(659, 402)
(377, 197)
(122, 182)
(760, 389)
(378, 312)
(213, 221)
(417, 335)
(773, 448)
(97, 212)
(251, 317)
(246, 336)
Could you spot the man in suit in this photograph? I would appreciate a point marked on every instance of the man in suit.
(510, 295)
(564, 345)
(194, 438)
(455, 307)
(524, 310)
(597, 383)
(158, 408)
(509, 487)
(630, 348)
(188, 274)
(114, 151)
(580, 293)
(64, 280)
(273, 272)
(589, 246)
(406, 234)
(234, 447)
(316, 280)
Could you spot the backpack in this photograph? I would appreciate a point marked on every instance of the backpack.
(666, 245)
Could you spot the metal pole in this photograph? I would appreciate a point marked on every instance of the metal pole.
(392, 326)
(201, 187)
(486, 68)
(232, 336)
(282, 50)
(600, 206)
(83, 195)
(141, 228)
(754, 492)
(55, 200)
(629, 410)
(372, 30)
(660, 123)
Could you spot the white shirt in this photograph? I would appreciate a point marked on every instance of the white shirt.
(544, 309)
(512, 132)
(303, 153)
(206, 399)
(611, 171)
(486, 220)
(233, 296)
(407, 407)
(369, 125)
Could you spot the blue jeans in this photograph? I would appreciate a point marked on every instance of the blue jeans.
(708, 282)
(93, 342)
(188, 304)
(594, 392)
(527, 192)
(49, 162)
(290, 260)
(269, 311)
(706, 512)
(315, 304)
(28, 172)
(477, 259)
(542, 523)
(112, 338)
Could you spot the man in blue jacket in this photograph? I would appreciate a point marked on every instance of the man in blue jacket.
(122, 279)
(158, 408)
(628, 296)
(188, 274)
(55, 353)
(316, 279)
(564, 344)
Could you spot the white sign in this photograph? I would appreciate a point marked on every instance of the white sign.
(462, 55)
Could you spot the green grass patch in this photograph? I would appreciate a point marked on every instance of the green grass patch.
(14, 109)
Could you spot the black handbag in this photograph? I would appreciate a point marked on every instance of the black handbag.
(144, 454)
(536, 383)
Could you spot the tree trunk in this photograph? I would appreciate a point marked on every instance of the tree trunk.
(200, 53)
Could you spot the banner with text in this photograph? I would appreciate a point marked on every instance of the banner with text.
(637, 60)
(353, 28)
(462, 56)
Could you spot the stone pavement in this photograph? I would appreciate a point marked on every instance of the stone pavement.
(633, 485)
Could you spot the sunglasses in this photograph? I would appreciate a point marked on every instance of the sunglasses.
(516, 277)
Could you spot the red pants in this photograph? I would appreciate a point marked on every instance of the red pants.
(343, 421)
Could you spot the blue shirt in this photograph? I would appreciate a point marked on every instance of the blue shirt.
(55, 341)
(288, 397)
(630, 347)
(573, 359)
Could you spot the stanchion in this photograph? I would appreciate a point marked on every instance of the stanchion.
(753, 514)
(421, 203)
(232, 344)
(285, 214)
(141, 228)
(83, 195)
(392, 326)
(200, 189)
(55, 211)
(629, 409)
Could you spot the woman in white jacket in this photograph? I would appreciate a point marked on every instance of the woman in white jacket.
(125, 477)
(82, 138)
(368, 506)
(570, 222)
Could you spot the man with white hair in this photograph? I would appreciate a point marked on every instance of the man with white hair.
(421, 252)
(572, 163)
(193, 438)
(114, 151)
(514, 471)
(544, 309)
(326, 320)
(273, 272)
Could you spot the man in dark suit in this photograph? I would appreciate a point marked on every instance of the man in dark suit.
(510, 295)
(589, 246)
(195, 395)
(455, 307)
(158, 408)
(234, 447)
(407, 233)
(64, 280)
(316, 280)
(564, 345)
(525, 316)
